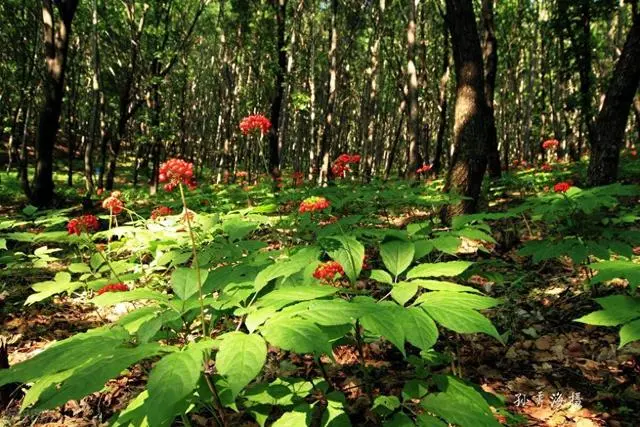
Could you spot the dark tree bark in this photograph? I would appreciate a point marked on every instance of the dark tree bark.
(443, 101)
(612, 120)
(469, 160)
(490, 56)
(276, 105)
(56, 44)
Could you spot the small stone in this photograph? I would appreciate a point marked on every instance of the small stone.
(544, 343)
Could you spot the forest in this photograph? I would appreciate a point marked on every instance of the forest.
(321, 213)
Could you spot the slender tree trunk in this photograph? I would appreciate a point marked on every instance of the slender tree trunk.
(442, 102)
(612, 120)
(413, 130)
(490, 55)
(469, 160)
(374, 98)
(327, 135)
(95, 108)
(584, 69)
(276, 105)
(56, 44)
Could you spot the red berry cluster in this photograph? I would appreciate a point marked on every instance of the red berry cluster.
(341, 165)
(161, 211)
(242, 174)
(546, 167)
(424, 169)
(113, 203)
(177, 171)
(313, 204)
(550, 144)
(561, 187)
(255, 122)
(84, 223)
(115, 287)
(328, 270)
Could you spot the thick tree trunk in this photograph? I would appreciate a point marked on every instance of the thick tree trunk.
(276, 105)
(469, 160)
(56, 44)
(612, 120)
(490, 56)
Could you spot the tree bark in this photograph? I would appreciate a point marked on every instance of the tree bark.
(56, 44)
(469, 160)
(276, 105)
(327, 134)
(490, 56)
(612, 120)
(413, 130)
(443, 101)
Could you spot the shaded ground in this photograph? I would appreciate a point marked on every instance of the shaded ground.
(553, 371)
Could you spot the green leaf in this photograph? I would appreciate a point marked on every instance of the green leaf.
(134, 414)
(440, 269)
(425, 420)
(397, 255)
(399, 420)
(384, 322)
(457, 299)
(299, 417)
(608, 270)
(459, 316)
(280, 392)
(335, 312)
(446, 243)
(335, 415)
(113, 298)
(419, 328)
(299, 335)
(385, 405)
(423, 248)
(629, 332)
(240, 359)
(66, 354)
(289, 267)
(53, 390)
(290, 294)
(436, 285)
(403, 292)
(618, 309)
(184, 282)
(459, 404)
(171, 382)
(350, 254)
(381, 276)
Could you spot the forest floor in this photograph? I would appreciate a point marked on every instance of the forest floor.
(552, 371)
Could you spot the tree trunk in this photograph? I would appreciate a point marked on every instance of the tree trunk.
(95, 108)
(276, 105)
(490, 55)
(612, 120)
(469, 160)
(413, 130)
(442, 102)
(327, 134)
(56, 44)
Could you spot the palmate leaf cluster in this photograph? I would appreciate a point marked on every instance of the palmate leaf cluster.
(257, 301)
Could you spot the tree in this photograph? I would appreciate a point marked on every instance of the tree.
(56, 34)
(490, 56)
(413, 130)
(469, 160)
(612, 119)
(276, 105)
